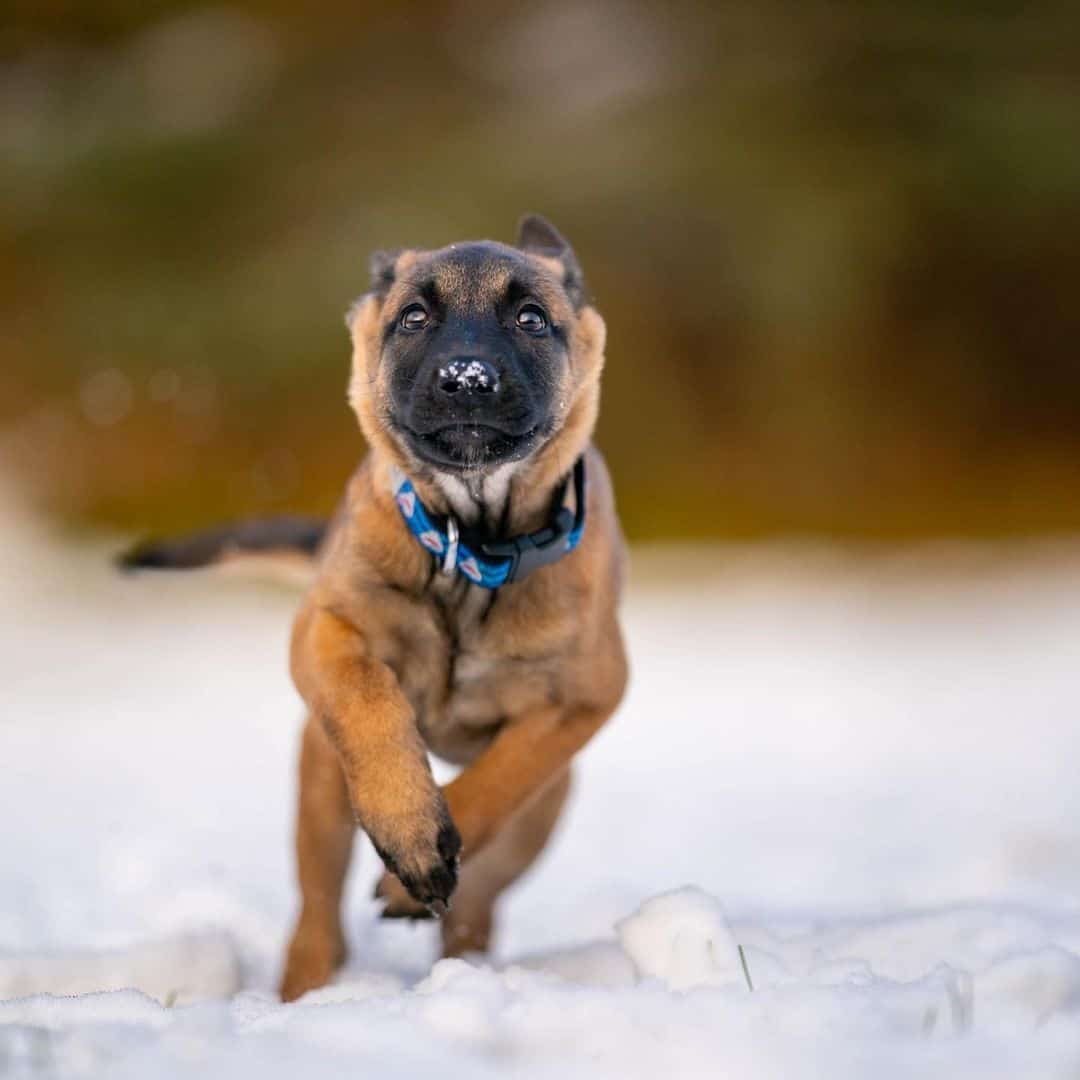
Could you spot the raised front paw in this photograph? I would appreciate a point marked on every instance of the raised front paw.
(423, 855)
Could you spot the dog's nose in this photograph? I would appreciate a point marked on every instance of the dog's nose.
(467, 375)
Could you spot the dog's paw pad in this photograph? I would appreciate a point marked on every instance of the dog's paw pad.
(397, 903)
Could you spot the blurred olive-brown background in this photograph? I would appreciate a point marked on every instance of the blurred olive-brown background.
(837, 246)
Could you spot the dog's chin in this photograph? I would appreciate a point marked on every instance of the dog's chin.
(470, 448)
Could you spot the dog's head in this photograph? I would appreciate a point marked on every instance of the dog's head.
(477, 355)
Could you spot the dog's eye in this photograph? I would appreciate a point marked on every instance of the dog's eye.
(414, 317)
(531, 318)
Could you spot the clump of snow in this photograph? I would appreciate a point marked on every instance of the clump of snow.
(682, 938)
(1027, 989)
(180, 969)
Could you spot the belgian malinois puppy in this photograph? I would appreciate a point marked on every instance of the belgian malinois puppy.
(466, 591)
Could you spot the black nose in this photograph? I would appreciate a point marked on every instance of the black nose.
(468, 375)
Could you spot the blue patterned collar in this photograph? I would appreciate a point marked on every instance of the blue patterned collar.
(492, 564)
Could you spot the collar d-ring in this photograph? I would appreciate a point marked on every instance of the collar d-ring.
(449, 563)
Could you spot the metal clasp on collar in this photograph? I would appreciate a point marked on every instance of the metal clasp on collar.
(533, 550)
(545, 546)
(449, 563)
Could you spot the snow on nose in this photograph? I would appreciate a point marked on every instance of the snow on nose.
(468, 374)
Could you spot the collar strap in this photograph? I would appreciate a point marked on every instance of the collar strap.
(502, 562)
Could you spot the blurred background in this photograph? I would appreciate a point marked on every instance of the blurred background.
(836, 246)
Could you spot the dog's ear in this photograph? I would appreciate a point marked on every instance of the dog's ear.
(536, 233)
(539, 237)
(382, 266)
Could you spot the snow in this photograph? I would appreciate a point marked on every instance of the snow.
(681, 938)
(860, 769)
(467, 375)
(208, 960)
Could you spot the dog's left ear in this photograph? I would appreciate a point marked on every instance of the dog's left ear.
(539, 237)
(383, 266)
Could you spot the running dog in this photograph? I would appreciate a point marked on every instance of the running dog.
(466, 592)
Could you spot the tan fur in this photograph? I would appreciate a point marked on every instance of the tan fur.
(393, 662)
(468, 927)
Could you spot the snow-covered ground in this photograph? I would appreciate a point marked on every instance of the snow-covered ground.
(860, 769)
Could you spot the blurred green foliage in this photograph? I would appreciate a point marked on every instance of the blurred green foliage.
(837, 246)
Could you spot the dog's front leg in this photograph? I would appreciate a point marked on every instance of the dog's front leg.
(525, 759)
(525, 755)
(371, 726)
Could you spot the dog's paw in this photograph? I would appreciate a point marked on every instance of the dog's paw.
(425, 864)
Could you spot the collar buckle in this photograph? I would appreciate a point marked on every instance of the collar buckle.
(530, 551)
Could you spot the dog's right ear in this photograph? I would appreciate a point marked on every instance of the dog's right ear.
(382, 265)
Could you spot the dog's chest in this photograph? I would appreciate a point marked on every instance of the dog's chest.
(466, 683)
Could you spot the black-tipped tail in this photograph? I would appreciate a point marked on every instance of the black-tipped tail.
(295, 536)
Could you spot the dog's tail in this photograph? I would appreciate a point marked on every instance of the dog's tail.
(278, 539)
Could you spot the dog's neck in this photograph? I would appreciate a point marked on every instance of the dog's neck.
(504, 501)
(483, 501)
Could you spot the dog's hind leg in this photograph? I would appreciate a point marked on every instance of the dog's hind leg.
(324, 838)
(511, 851)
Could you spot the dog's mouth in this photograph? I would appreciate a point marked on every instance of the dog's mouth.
(467, 446)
